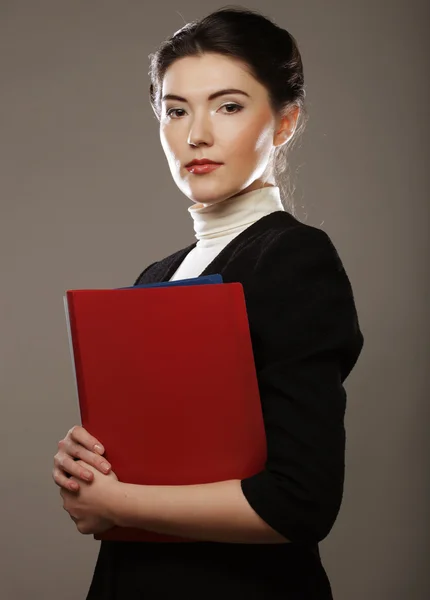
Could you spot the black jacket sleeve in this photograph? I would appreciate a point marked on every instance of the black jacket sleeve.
(307, 340)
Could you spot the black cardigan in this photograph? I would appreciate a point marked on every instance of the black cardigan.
(306, 339)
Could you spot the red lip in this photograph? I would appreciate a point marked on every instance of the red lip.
(201, 161)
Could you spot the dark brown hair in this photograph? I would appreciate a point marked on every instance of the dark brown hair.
(270, 52)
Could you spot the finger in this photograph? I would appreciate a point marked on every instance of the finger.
(64, 482)
(90, 458)
(73, 468)
(81, 436)
(78, 452)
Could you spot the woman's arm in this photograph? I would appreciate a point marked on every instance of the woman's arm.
(215, 512)
(308, 340)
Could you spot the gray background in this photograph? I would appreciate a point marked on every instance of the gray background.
(87, 201)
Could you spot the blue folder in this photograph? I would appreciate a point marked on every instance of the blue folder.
(203, 280)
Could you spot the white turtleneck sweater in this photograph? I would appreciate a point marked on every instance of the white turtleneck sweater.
(216, 225)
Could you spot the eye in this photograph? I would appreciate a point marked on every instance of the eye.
(172, 111)
(232, 105)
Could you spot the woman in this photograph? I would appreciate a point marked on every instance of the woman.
(229, 95)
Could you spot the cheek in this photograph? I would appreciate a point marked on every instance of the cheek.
(165, 142)
(253, 140)
(168, 143)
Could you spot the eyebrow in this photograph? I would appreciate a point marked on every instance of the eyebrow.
(211, 97)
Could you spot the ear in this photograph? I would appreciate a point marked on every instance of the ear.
(286, 126)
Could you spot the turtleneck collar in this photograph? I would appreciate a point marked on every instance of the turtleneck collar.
(234, 214)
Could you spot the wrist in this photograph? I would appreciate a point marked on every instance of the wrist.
(112, 504)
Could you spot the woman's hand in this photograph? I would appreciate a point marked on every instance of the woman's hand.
(90, 507)
(77, 448)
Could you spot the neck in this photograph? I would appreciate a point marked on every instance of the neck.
(257, 185)
(232, 215)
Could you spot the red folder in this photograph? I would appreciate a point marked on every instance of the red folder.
(166, 381)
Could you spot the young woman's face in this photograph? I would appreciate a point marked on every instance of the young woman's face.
(201, 119)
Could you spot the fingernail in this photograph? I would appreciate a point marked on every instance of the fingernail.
(87, 476)
(74, 486)
(98, 449)
(105, 467)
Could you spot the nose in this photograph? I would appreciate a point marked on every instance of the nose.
(200, 133)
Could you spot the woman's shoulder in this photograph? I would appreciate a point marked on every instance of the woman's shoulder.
(299, 285)
(284, 240)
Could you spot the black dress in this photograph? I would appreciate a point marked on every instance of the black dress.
(306, 340)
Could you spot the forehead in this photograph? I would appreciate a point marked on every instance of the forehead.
(201, 75)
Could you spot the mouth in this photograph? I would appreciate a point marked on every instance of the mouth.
(202, 166)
